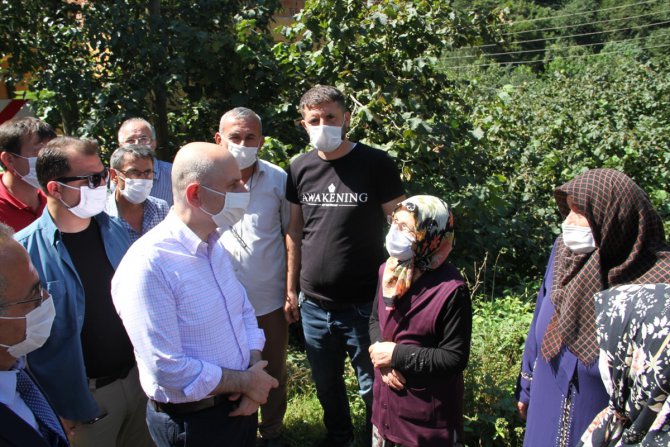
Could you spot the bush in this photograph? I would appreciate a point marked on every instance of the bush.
(499, 329)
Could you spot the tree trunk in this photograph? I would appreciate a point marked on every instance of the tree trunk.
(158, 88)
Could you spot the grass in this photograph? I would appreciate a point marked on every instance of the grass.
(303, 423)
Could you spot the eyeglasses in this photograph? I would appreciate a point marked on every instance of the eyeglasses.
(94, 180)
(138, 140)
(135, 174)
(401, 225)
(37, 290)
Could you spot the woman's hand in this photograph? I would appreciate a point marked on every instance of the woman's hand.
(393, 378)
(381, 353)
(522, 408)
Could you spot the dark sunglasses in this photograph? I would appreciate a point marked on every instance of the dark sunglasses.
(94, 180)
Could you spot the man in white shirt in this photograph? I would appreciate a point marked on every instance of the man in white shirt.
(258, 253)
(196, 340)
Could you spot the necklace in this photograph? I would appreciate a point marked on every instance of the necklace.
(238, 236)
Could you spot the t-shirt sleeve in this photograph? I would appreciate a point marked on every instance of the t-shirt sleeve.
(291, 187)
(389, 185)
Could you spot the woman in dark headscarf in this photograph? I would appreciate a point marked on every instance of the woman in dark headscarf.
(611, 235)
(420, 329)
(633, 326)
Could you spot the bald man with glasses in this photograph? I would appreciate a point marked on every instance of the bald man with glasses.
(87, 366)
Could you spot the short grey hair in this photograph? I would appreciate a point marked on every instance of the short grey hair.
(134, 150)
(240, 113)
(6, 235)
(136, 120)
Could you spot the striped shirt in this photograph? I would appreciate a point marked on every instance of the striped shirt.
(155, 211)
(162, 187)
(185, 312)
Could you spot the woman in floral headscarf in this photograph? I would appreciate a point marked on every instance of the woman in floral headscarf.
(611, 235)
(420, 329)
(634, 336)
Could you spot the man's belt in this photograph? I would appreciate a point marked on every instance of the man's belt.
(104, 381)
(330, 305)
(192, 407)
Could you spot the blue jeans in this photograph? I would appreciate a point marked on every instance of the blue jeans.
(204, 428)
(329, 337)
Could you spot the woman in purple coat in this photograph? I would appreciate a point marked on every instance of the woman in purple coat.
(611, 235)
(420, 331)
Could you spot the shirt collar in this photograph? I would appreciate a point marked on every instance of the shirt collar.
(9, 197)
(184, 234)
(8, 383)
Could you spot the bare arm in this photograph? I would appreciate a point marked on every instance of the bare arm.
(391, 205)
(254, 384)
(293, 258)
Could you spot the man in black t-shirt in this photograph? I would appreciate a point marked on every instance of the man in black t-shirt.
(340, 193)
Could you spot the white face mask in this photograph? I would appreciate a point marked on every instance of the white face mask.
(399, 244)
(233, 208)
(38, 328)
(136, 190)
(578, 239)
(31, 177)
(91, 201)
(325, 138)
(245, 156)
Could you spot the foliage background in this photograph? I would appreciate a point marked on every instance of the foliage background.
(488, 104)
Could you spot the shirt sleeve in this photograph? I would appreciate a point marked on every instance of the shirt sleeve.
(148, 308)
(255, 335)
(373, 327)
(291, 187)
(284, 207)
(452, 352)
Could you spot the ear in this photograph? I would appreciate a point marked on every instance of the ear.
(193, 195)
(347, 120)
(7, 160)
(217, 138)
(53, 188)
(261, 143)
(303, 124)
(113, 175)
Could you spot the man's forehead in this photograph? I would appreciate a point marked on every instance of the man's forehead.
(136, 129)
(130, 160)
(324, 107)
(32, 141)
(241, 125)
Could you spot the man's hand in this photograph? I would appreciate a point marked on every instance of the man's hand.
(393, 378)
(291, 311)
(381, 353)
(247, 407)
(258, 383)
(69, 426)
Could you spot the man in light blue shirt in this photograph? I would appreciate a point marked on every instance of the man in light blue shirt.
(196, 340)
(140, 131)
(26, 317)
(87, 366)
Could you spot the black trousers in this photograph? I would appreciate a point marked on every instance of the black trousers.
(206, 428)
